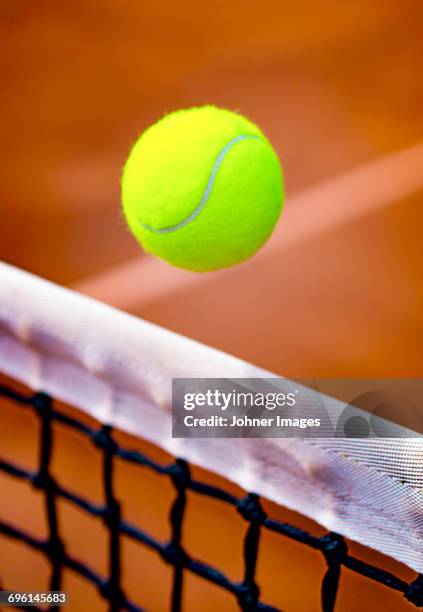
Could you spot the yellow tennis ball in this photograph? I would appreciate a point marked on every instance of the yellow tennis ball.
(202, 188)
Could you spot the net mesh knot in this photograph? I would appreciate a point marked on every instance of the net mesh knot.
(334, 548)
(102, 439)
(414, 593)
(180, 474)
(41, 403)
(112, 592)
(44, 482)
(247, 595)
(174, 555)
(112, 515)
(55, 549)
(250, 508)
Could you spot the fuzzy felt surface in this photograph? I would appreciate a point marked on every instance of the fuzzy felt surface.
(202, 188)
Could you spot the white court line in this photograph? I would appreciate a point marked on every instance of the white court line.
(311, 212)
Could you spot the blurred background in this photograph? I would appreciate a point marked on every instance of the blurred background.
(336, 86)
(332, 84)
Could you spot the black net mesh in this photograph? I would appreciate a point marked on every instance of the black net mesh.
(246, 592)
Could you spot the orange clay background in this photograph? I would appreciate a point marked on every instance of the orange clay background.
(334, 85)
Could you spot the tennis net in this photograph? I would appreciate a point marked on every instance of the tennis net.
(64, 350)
(246, 592)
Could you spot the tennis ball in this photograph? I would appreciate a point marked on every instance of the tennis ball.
(202, 188)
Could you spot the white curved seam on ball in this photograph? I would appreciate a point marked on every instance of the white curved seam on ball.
(218, 162)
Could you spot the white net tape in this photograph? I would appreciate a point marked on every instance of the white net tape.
(119, 369)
